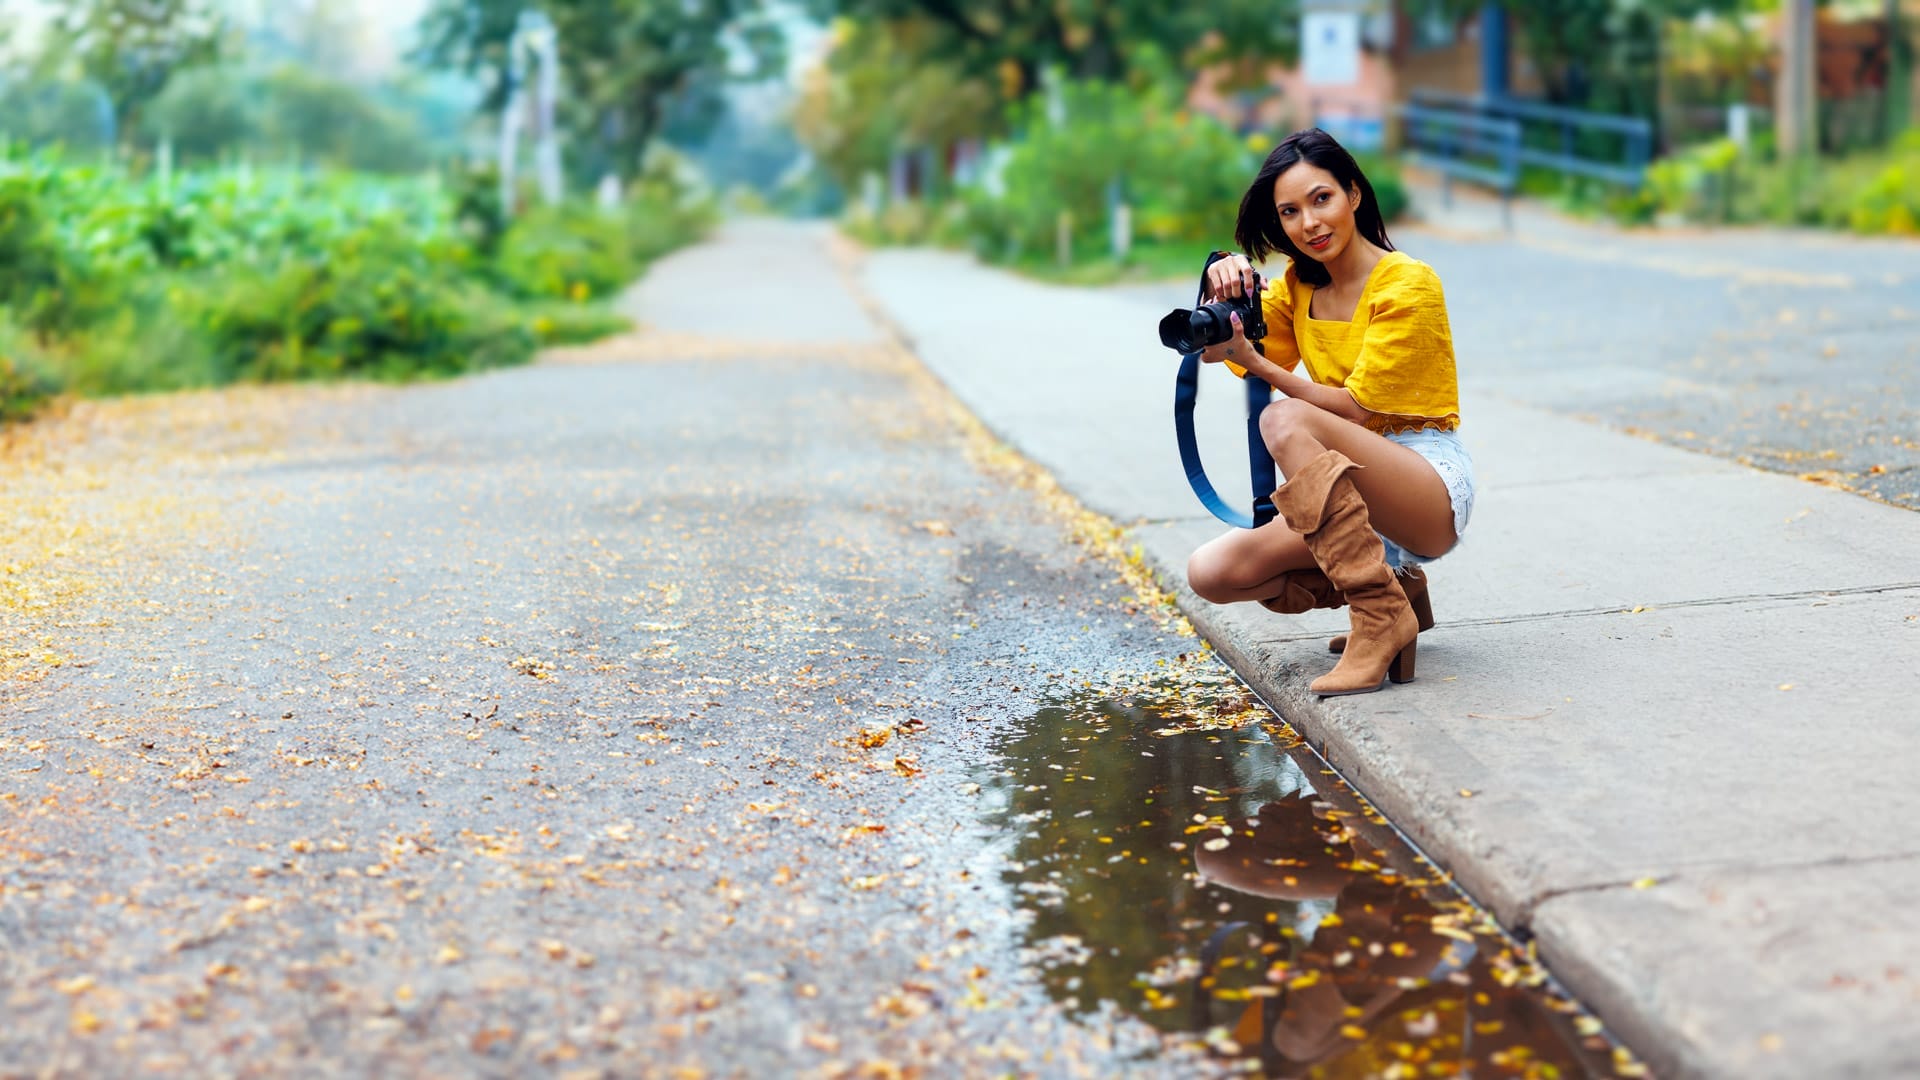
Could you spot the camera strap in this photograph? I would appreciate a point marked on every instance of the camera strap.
(1186, 391)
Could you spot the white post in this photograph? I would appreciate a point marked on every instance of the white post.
(543, 40)
(164, 158)
(533, 36)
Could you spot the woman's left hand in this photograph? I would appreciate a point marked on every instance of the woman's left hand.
(1234, 348)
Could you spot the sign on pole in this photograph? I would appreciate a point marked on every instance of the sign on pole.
(1330, 48)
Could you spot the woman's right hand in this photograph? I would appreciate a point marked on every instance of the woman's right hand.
(1230, 277)
(1234, 348)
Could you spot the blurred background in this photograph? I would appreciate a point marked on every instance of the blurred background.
(198, 191)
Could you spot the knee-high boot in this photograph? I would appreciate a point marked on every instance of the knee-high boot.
(1322, 505)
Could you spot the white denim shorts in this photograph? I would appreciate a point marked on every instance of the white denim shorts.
(1448, 456)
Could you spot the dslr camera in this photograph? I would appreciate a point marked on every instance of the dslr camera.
(1186, 331)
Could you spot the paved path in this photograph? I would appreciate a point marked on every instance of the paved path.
(531, 724)
(1666, 725)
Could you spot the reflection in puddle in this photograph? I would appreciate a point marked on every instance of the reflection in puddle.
(1223, 884)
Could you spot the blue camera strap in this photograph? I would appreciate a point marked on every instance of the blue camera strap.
(1186, 391)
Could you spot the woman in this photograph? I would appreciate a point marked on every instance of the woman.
(1366, 439)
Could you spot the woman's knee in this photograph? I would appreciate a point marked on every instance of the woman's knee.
(1206, 574)
(1285, 419)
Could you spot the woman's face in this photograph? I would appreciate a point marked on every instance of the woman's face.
(1315, 212)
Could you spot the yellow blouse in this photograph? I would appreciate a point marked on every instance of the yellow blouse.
(1395, 357)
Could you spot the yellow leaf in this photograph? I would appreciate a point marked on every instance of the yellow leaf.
(1466, 793)
(1646, 883)
(1353, 1031)
(79, 984)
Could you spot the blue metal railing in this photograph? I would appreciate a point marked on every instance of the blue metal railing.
(1465, 145)
(1552, 135)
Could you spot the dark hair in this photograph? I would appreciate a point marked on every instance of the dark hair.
(1258, 230)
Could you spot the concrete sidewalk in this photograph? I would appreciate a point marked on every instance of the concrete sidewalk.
(1666, 724)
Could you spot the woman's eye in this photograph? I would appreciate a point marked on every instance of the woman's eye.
(1322, 197)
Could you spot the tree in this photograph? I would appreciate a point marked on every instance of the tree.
(877, 94)
(1089, 39)
(624, 61)
(132, 48)
(1601, 54)
(206, 112)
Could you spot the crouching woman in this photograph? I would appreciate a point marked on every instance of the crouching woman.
(1377, 481)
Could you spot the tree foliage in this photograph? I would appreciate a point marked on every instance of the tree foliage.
(877, 91)
(1601, 54)
(132, 48)
(1088, 39)
(624, 61)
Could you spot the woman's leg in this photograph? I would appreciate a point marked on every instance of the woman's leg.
(1247, 564)
(1406, 499)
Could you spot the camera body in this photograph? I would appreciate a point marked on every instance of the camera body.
(1189, 331)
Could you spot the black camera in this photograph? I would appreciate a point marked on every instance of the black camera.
(1186, 331)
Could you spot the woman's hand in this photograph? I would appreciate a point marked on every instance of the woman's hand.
(1229, 277)
(1234, 348)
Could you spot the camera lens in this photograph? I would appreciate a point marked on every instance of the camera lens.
(1211, 325)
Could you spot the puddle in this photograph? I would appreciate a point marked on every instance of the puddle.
(1224, 885)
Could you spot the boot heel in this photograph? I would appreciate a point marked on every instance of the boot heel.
(1423, 610)
(1401, 669)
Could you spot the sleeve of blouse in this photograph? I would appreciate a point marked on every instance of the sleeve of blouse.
(1407, 354)
(1276, 304)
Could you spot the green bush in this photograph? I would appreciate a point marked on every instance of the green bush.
(25, 380)
(577, 251)
(377, 304)
(110, 284)
(1874, 193)
(42, 281)
(1389, 187)
(1182, 174)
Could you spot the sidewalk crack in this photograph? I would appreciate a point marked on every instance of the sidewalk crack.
(1525, 916)
(1706, 602)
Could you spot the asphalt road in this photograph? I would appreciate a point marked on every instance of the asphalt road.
(533, 723)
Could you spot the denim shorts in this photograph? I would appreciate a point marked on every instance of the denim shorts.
(1448, 456)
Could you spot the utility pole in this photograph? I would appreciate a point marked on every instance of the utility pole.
(1796, 124)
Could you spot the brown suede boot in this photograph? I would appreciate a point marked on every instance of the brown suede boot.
(1304, 590)
(1321, 504)
(1414, 584)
